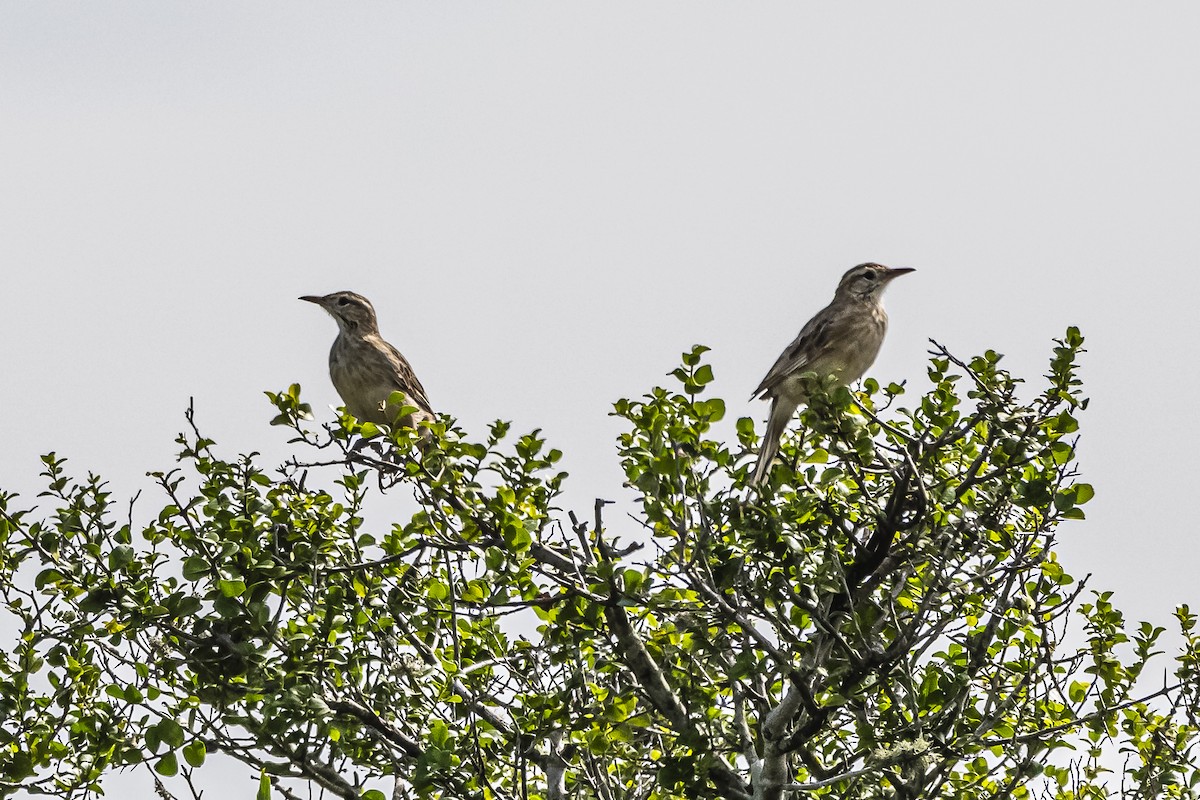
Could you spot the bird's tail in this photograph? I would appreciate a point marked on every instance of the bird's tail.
(777, 422)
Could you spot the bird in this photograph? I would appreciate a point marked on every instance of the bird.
(841, 341)
(365, 369)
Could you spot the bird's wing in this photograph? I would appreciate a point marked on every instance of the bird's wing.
(809, 345)
(406, 379)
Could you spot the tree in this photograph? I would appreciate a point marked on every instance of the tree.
(886, 619)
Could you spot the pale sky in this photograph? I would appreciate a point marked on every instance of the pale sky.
(547, 202)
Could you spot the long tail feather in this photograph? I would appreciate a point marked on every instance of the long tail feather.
(777, 422)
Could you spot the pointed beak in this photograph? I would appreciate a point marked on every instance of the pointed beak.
(896, 272)
(308, 298)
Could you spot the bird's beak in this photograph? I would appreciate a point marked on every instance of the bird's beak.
(312, 299)
(896, 272)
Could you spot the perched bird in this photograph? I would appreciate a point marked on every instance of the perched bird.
(842, 341)
(365, 369)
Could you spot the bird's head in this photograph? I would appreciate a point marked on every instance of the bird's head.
(867, 281)
(353, 312)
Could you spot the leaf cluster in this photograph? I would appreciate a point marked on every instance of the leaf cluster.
(886, 617)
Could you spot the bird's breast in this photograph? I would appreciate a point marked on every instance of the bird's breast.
(359, 381)
(853, 351)
(865, 346)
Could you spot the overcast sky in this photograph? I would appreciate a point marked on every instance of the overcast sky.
(548, 202)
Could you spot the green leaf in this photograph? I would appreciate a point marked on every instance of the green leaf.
(170, 733)
(439, 734)
(46, 577)
(713, 408)
(517, 537)
(264, 787)
(195, 568)
(232, 588)
(693, 358)
(194, 753)
(152, 739)
(633, 580)
(167, 766)
(120, 556)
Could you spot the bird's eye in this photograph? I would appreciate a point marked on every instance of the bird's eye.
(343, 302)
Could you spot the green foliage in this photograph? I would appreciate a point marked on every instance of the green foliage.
(886, 618)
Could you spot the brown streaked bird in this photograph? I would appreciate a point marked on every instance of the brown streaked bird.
(364, 368)
(842, 341)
